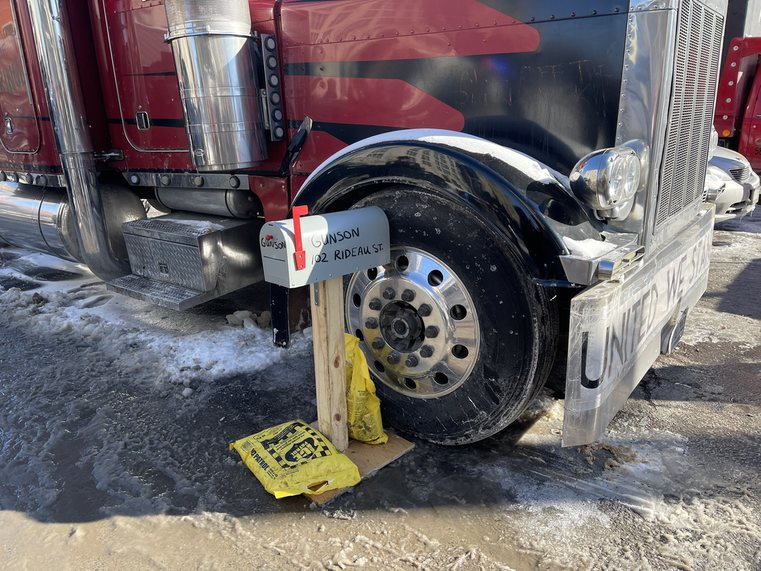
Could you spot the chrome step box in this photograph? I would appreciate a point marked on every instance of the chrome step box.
(182, 259)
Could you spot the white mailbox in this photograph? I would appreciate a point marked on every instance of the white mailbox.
(310, 249)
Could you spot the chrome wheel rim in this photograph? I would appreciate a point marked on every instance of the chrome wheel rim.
(417, 322)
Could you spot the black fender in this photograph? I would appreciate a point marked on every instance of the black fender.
(521, 200)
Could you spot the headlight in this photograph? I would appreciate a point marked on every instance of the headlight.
(607, 180)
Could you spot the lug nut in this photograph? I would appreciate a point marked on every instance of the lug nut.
(408, 295)
(394, 358)
(375, 304)
(431, 331)
(412, 361)
(378, 343)
(389, 293)
(424, 310)
(371, 323)
(426, 351)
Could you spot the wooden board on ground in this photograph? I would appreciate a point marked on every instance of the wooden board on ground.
(369, 459)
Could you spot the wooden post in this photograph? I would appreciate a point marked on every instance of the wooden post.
(330, 360)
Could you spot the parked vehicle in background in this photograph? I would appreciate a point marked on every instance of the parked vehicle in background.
(738, 105)
(731, 185)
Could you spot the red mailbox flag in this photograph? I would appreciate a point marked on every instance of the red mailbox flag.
(299, 254)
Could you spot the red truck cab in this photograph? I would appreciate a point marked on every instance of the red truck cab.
(738, 105)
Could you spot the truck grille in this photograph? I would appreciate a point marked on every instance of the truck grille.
(696, 68)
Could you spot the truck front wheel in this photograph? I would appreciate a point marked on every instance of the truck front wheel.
(457, 333)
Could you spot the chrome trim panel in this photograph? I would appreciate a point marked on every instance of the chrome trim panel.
(610, 266)
(207, 18)
(649, 5)
(186, 179)
(645, 92)
(100, 250)
(219, 84)
(37, 179)
(719, 6)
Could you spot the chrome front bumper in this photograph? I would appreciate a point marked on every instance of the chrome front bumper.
(618, 328)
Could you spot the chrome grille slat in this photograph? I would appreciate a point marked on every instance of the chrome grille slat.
(696, 67)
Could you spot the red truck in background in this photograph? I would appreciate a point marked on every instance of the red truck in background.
(738, 105)
(738, 101)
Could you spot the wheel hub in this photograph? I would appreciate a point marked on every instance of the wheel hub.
(401, 326)
(418, 323)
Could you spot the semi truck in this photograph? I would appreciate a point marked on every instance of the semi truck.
(541, 166)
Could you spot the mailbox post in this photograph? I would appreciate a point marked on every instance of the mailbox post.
(318, 251)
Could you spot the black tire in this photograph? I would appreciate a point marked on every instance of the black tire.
(517, 322)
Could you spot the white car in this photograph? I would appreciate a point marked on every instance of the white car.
(731, 185)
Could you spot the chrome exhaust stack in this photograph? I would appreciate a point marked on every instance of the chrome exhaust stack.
(213, 51)
(103, 252)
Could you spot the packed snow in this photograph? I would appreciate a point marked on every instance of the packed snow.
(588, 248)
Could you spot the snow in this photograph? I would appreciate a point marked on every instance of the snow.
(588, 248)
(83, 307)
(201, 225)
(715, 179)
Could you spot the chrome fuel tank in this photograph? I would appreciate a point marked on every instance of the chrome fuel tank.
(39, 219)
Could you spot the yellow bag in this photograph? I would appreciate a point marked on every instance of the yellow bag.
(293, 458)
(363, 406)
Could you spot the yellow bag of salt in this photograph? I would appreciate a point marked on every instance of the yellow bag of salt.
(362, 404)
(293, 458)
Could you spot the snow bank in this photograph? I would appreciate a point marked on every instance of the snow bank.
(176, 346)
